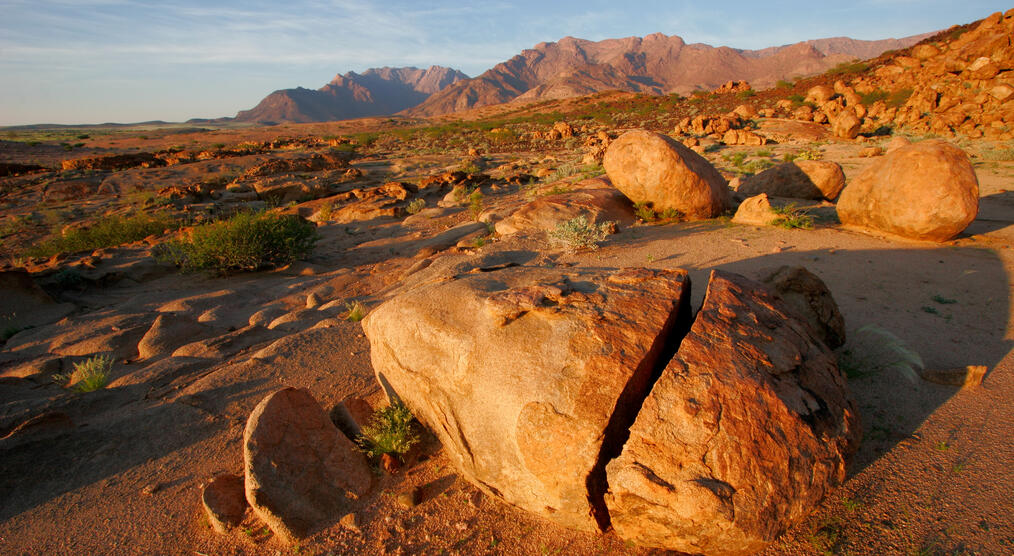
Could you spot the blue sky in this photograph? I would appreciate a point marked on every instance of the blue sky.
(92, 61)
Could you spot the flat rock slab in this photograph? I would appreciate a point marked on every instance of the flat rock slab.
(529, 375)
(746, 430)
(301, 472)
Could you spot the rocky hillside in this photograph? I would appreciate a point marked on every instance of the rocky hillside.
(654, 64)
(374, 92)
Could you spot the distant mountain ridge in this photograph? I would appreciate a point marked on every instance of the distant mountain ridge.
(656, 64)
(375, 92)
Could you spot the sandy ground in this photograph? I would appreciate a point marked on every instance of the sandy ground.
(934, 474)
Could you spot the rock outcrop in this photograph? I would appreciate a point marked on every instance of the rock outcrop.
(746, 430)
(653, 168)
(301, 471)
(924, 191)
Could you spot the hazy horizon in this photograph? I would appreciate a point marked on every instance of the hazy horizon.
(98, 61)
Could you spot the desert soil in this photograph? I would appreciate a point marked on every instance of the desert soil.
(934, 474)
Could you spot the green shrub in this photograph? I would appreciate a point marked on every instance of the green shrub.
(872, 349)
(415, 206)
(746, 94)
(389, 432)
(355, 312)
(810, 154)
(873, 96)
(855, 66)
(790, 217)
(89, 375)
(105, 232)
(475, 203)
(647, 213)
(783, 84)
(247, 241)
(578, 233)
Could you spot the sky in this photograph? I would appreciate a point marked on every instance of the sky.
(95, 61)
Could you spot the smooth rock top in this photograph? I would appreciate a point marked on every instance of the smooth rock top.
(925, 191)
(744, 433)
(525, 372)
(595, 198)
(799, 179)
(652, 168)
(301, 472)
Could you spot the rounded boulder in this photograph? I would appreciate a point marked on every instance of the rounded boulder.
(799, 179)
(925, 191)
(652, 168)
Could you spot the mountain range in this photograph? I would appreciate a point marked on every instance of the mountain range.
(655, 64)
(375, 92)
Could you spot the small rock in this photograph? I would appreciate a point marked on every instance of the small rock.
(966, 377)
(312, 301)
(410, 498)
(390, 463)
(351, 522)
(224, 502)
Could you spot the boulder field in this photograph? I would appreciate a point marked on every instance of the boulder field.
(596, 398)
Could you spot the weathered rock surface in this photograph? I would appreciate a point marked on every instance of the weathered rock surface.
(224, 502)
(530, 375)
(594, 198)
(810, 296)
(301, 472)
(746, 430)
(652, 168)
(799, 179)
(926, 191)
(168, 332)
(756, 210)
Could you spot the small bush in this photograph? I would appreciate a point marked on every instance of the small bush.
(475, 203)
(247, 241)
(355, 312)
(389, 432)
(790, 217)
(783, 84)
(105, 232)
(579, 233)
(868, 99)
(810, 154)
(872, 349)
(746, 94)
(89, 375)
(855, 66)
(647, 213)
(415, 206)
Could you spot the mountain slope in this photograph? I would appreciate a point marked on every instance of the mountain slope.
(375, 92)
(655, 64)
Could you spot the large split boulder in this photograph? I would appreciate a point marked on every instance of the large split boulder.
(746, 430)
(925, 191)
(529, 375)
(799, 179)
(655, 169)
(301, 471)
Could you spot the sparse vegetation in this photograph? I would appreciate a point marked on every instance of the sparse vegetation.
(810, 154)
(389, 432)
(647, 213)
(872, 349)
(89, 375)
(415, 206)
(247, 241)
(105, 232)
(845, 68)
(998, 154)
(783, 84)
(355, 311)
(579, 233)
(790, 217)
